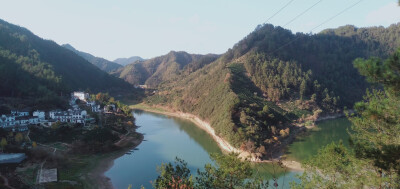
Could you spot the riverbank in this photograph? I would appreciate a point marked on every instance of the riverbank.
(222, 143)
(97, 174)
(75, 170)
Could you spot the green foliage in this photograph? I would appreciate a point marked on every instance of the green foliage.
(386, 73)
(377, 126)
(3, 143)
(230, 172)
(171, 176)
(333, 167)
(19, 137)
(104, 99)
(311, 72)
(100, 135)
(375, 136)
(277, 79)
(31, 66)
(280, 80)
(329, 54)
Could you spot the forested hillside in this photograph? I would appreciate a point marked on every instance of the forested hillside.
(34, 67)
(154, 71)
(254, 93)
(328, 54)
(101, 63)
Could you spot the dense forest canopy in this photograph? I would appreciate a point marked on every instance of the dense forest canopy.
(34, 67)
(328, 54)
(373, 161)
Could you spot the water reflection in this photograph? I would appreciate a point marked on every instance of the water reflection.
(169, 137)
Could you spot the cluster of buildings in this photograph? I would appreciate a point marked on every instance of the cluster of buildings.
(18, 120)
(84, 97)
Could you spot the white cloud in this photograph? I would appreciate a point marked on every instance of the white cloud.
(385, 15)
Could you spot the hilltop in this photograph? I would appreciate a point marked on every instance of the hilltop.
(171, 66)
(126, 61)
(259, 93)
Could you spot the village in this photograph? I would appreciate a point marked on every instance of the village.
(44, 141)
(19, 120)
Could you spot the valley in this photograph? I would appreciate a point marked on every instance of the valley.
(277, 109)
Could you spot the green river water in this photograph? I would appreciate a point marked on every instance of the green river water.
(169, 137)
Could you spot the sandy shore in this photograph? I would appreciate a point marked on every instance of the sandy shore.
(222, 143)
(97, 176)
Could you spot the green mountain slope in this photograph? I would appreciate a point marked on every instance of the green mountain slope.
(255, 93)
(34, 67)
(130, 60)
(101, 63)
(154, 71)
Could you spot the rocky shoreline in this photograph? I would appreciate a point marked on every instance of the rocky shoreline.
(222, 143)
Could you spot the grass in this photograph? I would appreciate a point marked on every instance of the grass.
(59, 146)
(142, 106)
(292, 108)
(77, 169)
(28, 175)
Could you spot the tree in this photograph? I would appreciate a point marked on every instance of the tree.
(230, 172)
(171, 176)
(34, 144)
(303, 88)
(3, 143)
(19, 137)
(334, 166)
(374, 160)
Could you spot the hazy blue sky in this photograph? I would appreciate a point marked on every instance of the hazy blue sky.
(148, 28)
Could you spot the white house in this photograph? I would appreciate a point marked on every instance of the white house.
(40, 114)
(53, 112)
(80, 95)
(69, 116)
(18, 113)
(96, 108)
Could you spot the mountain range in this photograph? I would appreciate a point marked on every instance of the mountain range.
(252, 95)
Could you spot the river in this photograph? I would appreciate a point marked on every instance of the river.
(170, 137)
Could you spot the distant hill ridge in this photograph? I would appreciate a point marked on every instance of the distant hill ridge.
(155, 71)
(126, 61)
(101, 63)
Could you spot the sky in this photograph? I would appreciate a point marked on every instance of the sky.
(148, 28)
